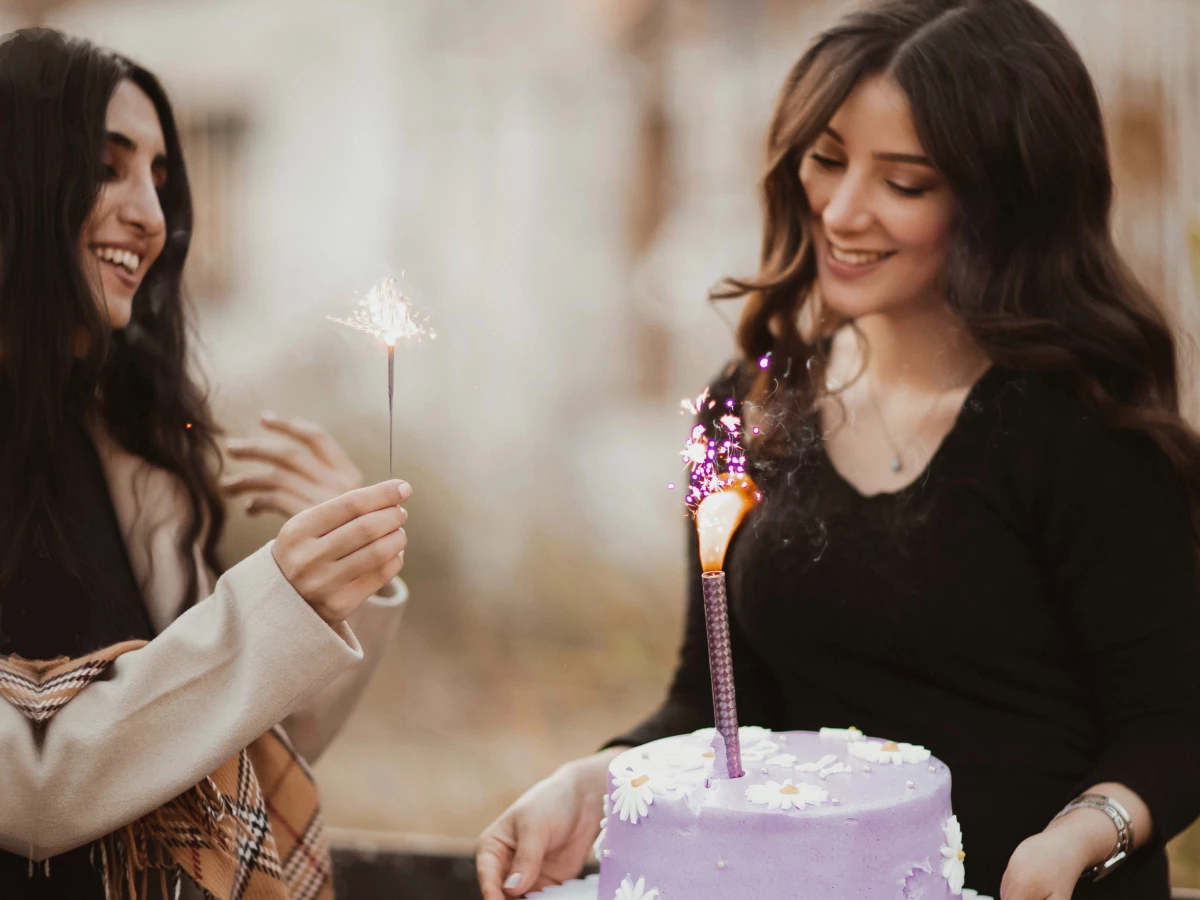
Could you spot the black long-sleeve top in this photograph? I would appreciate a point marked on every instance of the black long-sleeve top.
(1027, 609)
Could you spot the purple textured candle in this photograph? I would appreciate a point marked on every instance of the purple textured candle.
(720, 664)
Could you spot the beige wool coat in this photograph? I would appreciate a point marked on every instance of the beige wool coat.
(249, 654)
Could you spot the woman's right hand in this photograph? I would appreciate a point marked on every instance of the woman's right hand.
(340, 552)
(545, 836)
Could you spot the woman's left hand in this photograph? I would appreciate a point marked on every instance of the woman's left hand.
(1046, 866)
(305, 467)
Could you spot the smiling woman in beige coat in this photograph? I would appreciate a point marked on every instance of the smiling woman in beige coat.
(110, 503)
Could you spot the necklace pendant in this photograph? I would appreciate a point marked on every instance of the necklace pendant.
(896, 465)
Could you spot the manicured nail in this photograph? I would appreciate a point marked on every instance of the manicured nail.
(513, 880)
(405, 490)
(269, 415)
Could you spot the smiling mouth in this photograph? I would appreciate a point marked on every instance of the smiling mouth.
(859, 257)
(124, 260)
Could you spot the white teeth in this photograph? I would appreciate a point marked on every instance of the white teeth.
(130, 261)
(856, 257)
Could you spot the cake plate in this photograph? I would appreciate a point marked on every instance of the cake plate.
(569, 890)
(586, 890)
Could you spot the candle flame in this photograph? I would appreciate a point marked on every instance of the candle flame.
(387, 314)
(718, 517)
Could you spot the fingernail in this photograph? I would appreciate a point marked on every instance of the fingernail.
(268, 414)
(513, 880)
(405, 490)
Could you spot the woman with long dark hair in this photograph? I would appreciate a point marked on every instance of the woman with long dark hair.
(980, 524)
(110, 503)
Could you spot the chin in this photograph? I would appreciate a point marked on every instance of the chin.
(119, 311)
(855, 302)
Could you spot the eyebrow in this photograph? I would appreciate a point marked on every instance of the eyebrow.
(127, 143)
(914, 158)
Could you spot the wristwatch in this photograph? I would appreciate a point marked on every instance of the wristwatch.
(1120, 819)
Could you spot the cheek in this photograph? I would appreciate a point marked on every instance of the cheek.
(156, 247)
(921, 229)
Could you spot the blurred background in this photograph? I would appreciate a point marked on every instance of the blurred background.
(560, 182)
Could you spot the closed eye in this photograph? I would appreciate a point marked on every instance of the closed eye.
(907, 191)
(826, 162)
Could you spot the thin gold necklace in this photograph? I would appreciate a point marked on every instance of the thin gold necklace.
(897, 463)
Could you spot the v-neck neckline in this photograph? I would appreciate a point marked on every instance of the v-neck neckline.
(969, 401)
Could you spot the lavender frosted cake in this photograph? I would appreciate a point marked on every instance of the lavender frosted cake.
(833, 815)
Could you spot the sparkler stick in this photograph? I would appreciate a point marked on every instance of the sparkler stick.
(387, 314)
(720, 495)
(391, 386)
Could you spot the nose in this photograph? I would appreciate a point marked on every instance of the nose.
(140, 207)
(848, 210)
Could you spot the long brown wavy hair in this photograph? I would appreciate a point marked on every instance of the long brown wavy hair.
(54, 94)
(1006, 111)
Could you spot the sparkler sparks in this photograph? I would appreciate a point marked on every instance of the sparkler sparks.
(385, 313)
(717, 461)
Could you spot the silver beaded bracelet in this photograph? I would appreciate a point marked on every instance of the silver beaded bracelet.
(1121, 820)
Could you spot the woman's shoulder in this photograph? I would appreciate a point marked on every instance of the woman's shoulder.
(1046, 421)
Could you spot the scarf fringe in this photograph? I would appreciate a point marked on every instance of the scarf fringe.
(129, 855)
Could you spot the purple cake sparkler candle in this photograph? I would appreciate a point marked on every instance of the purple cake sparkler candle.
(720, 494)
(717, 518)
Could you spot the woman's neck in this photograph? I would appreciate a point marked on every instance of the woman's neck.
(928, 350)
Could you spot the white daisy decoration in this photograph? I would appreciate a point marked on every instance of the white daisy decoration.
(836, 769)
(953, 855)
(783, 759)
(599, 845)
(758, 751)
(747, 734)
(969, 894)
(633, 793)
(842, 734)
(787, 795)
(817, 766)
(752, 734)
(631, 891)
(888, 752)
(689, 764)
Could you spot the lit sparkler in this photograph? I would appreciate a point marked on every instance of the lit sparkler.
(385, 313)
(720, 494)
(717, 461)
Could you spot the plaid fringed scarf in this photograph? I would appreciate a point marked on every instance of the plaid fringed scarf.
(250, 831)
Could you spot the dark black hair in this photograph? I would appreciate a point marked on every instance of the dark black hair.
(61, 364)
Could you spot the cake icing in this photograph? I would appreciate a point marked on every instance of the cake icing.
(833, 815)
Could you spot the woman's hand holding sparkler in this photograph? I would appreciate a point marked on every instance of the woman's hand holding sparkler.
(305, 466)
(340, 552)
